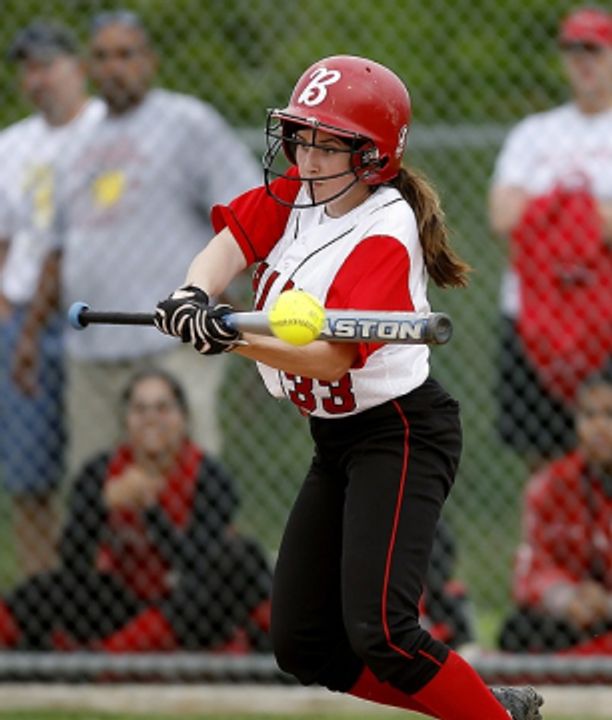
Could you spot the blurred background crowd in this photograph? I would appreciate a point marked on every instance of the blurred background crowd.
(161, 493)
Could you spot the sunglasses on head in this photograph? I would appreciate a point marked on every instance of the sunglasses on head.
(581, 47)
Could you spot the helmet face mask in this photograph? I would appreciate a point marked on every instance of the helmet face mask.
(281, 135)
(355, 99)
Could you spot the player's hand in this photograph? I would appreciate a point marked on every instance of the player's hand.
(210, 335)
(175, 314)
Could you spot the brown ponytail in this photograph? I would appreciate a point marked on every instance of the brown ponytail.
(443, 264)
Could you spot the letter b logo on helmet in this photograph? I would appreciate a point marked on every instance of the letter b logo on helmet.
(316, 91)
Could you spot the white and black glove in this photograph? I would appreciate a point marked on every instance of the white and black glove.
(175, 314)
(209, 334)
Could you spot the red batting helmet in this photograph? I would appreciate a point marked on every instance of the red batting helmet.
(356, 99)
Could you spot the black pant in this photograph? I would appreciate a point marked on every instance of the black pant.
(530, 420)
(204, 608)
(89, 606)
(446, 602)
(531, 631)
(356, 548)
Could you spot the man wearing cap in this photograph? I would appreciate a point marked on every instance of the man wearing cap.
(551, 198)
(135, 211)
(52, 79)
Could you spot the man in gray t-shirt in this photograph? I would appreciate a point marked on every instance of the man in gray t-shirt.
(134, 211)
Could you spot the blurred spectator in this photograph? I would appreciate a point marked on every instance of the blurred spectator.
(32, 441)
(446, 608)
(552, 196)
(150, 559)
(133, 212)
(563, 576)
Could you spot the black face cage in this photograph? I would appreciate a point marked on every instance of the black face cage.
(281, 135)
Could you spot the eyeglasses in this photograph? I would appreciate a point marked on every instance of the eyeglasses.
(581, 48)
(161, 407)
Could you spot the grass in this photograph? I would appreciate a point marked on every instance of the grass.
(104, 716)
(38, 715)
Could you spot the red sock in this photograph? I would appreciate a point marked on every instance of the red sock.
(369, 687)
(147, 632)
(457, 692)
(9, 630)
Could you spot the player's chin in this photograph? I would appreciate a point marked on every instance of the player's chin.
(319, 193)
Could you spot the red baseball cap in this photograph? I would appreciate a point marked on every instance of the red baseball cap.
(587, 25)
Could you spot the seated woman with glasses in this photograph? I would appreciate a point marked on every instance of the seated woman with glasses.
(150, 558)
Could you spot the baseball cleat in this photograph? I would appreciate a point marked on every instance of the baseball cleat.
(522, 703)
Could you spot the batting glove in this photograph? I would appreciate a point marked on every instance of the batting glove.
(209, 334)
(173, 315)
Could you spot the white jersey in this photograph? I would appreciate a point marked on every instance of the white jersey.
(30, 153)
(561, 146)
(135, 211)
(312, 255)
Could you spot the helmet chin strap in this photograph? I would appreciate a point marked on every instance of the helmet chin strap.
(271, 175)
(311, 191)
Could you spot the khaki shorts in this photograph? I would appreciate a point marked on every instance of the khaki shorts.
(94, 394)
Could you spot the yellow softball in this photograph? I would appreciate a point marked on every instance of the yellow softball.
(296, 317)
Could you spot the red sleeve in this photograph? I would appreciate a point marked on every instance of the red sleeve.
(255, 218)
(375, 276)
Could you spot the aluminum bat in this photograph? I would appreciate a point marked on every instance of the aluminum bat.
(378, 326)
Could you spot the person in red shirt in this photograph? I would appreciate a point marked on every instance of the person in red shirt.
(551, 203)
(150, 557)
(563, 575)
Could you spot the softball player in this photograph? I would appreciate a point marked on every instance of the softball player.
(348, 224)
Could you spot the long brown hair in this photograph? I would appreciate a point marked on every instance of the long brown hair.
(443, 264)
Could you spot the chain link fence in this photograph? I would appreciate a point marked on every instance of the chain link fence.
(473, 69)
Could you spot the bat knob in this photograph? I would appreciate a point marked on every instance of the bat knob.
(74, 315)
(442, 329)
